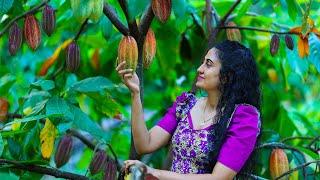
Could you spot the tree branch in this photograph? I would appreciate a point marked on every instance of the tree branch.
(33, 10)
(80, 30)
(297, 168)
(146, 21)
(13, 115)
(253, 29)
(110, 13)
(208, 16)
(42, 170)
(132, 24)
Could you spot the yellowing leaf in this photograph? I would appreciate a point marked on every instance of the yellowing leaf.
(303, 47)
(48, 62)
(47, 137)
(16, 125)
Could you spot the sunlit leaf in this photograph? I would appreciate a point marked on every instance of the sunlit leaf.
(47, 137)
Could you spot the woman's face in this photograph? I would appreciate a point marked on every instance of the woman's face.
(209, 70)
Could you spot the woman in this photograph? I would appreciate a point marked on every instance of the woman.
(212, 137)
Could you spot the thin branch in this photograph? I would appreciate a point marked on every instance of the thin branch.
(13, 115)
(110, 13)
(81, 30)
(253, 29)
(33, 10)
(146, 21)
(42, 170)
(297, 168)
(313, 141)
(132, 24)
(90, 144)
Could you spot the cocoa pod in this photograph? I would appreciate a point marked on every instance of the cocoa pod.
(48, 20)
(274, 44)
(32, 32)
(15, 38)
(110, 171)
(161, 9)
(149, 49)
(289, 42)
(278, 163)
(73, 57)
(128, 51)
(233, 34)
(4, 106)
(98, 162)
(63, 151)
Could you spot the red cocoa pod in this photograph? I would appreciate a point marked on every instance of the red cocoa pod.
(73, 57)
(110, 171)
(32, 32)
(161, 9)
(233, 34)
(274, 44)
(289, 42)
(149, 48)
(63, 151)
(15, 38)
(48, 20)
(128, 51)
(98, 162)
(4, 106)
(278, 163)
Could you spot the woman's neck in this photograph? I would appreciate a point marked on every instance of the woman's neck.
(213, 99)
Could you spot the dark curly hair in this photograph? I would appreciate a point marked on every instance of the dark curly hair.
(239, 83)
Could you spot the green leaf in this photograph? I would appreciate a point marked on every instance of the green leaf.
(314, 57)
(33, 118)
(136, 7)
(45, 85)
(15, 148)
(244, 8)
(81, 9)
(292, 9)
(180, 8)
(57, 105)
(5, 5)
(1, 145)
(106, 27)
(82, 121)
(6, 82)
(105, 104)
(92, 84)
(308, 152)
(97, 10)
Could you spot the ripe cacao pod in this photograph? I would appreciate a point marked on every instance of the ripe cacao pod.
(161, 9)
(98, 162)
(32, 32)
(272, 75)
(233, 34)
(278, 163)
(63, 151)
(128, 51)
(73, 57)
(15, 38)
(110, 171)
(289, 42)
(149, 48)
(274, 45)
(4, 106)
(48, 20)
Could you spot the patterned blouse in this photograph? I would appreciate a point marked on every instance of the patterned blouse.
(193, 149)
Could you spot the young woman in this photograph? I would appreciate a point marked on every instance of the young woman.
(212, 137)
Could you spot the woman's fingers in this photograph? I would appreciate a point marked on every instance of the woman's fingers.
(123, 71)
(120, 65)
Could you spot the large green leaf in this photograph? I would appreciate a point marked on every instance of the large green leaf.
(244, 8)
(1, 145)
(93, 84)
(5, 5)
(45, 85)
(57, 105)
(314, 57)
(292, 9)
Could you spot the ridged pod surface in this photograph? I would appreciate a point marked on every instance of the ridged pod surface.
(98, 162)
(233, 34)
(278, 163)
(161, 9)
(289, 42)
(110, 171)
(63, 151)
(128, 51)
(149, 49)
(4, 106)
(15, 38)
(73, 57)
(48, 20)
(32, 32)
(274, 44)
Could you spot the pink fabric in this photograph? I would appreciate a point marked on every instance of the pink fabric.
(240, 138)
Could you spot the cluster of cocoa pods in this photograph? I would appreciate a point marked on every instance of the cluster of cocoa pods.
(128, 50)
(31, 30)
(275, 40)
(100, 161)
(278, 163)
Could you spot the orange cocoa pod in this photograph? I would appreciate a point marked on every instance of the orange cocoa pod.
(32, 32)
(278, 163)
(233, 34)
(161, 9)
(4, 106)
(149, 49)
(128, 52)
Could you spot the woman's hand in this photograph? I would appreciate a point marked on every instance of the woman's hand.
(149, 172)
(129, 78)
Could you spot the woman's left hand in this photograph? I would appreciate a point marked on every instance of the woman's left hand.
(146, 169)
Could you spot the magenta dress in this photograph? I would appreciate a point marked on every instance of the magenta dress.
(192, 149)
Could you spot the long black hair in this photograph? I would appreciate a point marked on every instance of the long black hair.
(239, 84)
